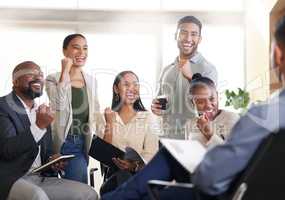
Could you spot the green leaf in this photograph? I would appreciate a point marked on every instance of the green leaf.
(238, 100)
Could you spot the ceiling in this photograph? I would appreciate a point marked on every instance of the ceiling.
(104, 16)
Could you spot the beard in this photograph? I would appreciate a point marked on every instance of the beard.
(30, 93)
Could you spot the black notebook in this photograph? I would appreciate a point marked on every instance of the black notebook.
(104, 152)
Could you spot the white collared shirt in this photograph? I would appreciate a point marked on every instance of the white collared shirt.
(35, 130)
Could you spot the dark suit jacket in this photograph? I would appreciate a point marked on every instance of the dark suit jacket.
(18, 149)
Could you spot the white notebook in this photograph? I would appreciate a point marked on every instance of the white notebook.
(189, 153)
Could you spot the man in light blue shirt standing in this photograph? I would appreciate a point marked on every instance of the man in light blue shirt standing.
(174, 79)
(223, 163)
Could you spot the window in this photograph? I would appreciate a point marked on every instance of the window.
(221, 45)
(43, 46)
(111, 53)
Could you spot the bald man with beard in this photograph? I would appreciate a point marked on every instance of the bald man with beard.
(26, 143)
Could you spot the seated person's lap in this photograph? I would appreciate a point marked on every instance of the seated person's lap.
(36, 187)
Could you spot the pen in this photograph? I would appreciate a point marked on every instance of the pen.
(61, 173)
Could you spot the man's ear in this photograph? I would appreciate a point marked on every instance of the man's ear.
(176, 35)
(200, 39)
(278, 55)
(15, 83)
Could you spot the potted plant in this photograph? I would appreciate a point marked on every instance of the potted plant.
(238, 100)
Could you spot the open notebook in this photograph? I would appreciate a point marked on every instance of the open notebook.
(104, 152)
(189, 153)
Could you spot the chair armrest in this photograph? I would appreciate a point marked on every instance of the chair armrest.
(155, 185)
(92, 170)
(169, 184)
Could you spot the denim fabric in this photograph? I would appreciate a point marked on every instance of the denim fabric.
(162, 167)
(76, 168)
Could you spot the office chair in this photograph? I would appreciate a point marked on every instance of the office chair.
(91, 176)
(263, 178)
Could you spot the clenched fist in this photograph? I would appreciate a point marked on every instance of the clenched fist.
(205, 126)
(44, 116)
(109, 115)
(185, 68)
(66, 64)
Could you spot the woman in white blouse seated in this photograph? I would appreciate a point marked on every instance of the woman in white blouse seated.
(128, 124)
(212, 125)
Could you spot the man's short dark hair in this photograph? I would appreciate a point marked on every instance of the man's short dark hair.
(280, 31)
(190, 19)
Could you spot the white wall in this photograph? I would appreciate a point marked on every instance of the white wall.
(144, 47)
(258, 47)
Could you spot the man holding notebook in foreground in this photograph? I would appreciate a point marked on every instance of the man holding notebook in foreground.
(25, 143)
(223, 163)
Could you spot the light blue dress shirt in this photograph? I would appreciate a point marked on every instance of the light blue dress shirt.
(224, 162)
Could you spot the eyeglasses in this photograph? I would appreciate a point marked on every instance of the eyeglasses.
(34, 75)
(31, 74)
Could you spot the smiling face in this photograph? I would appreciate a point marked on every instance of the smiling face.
(77, 50)
(188, 38)
(28, 81)
(128, 89)
(206, 101)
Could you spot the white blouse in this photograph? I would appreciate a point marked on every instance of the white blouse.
(141, 133)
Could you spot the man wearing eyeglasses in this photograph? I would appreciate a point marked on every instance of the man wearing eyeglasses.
(26, 143)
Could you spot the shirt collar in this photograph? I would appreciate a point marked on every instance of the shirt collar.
(25, 105)
(194, 59)
(139, 115)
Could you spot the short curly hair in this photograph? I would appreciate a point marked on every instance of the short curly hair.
(190, 19)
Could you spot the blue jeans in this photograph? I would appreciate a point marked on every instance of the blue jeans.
(76, 168)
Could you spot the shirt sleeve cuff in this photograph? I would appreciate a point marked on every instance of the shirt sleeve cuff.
(214, 140)
(37, 132)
